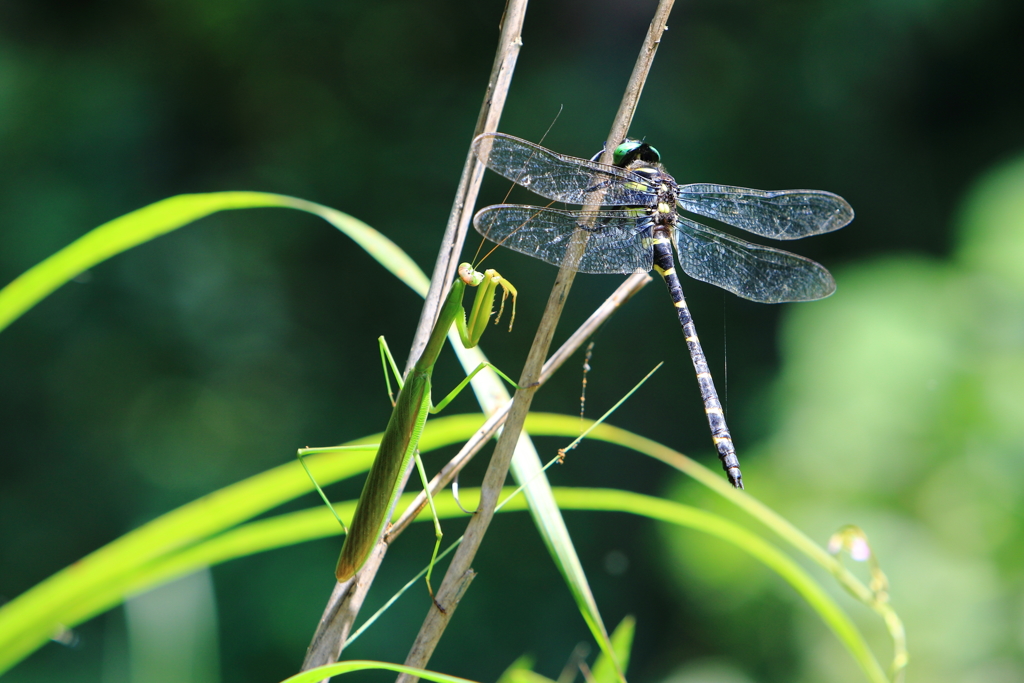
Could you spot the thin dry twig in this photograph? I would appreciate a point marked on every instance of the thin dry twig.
(454, 236)
(347, 599)
(436, 620)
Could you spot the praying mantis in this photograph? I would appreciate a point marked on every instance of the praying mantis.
(398, 446)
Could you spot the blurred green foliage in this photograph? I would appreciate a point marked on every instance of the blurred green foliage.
(212, 354)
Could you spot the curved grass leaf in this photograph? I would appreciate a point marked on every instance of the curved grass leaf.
(79, 602)
(160, 218)
(622, 641)
(339, 668)
(550, 424)
(521, 671)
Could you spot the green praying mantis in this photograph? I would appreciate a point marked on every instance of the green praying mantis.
(399, 445)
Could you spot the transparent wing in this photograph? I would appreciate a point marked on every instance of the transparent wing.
(557, 176)
(617, 244)
(748, 270)
(779, 214)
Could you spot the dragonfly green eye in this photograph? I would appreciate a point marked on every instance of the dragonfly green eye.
(624, 150)
(631, 150)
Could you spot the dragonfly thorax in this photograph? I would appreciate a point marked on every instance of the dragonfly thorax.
(662, 206)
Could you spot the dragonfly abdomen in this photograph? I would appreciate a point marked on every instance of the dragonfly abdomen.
(664, 263)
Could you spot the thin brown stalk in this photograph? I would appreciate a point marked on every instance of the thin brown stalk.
(454, 236)
(448, 593)
(347, 599)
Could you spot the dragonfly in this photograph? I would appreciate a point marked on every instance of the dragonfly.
(637, 223)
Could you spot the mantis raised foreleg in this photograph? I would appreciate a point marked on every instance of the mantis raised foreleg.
(399, 444)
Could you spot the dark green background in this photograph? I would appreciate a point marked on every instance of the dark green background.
(211, 354)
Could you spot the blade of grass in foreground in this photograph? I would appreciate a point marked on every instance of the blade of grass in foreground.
(551, 424)
(317, 523)
(340, 668)
(160, 218)
(80, 601)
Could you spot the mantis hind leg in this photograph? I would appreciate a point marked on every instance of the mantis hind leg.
(303, 452)
(438, 534)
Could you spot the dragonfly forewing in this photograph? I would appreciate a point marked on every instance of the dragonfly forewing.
(557, 176)
(751, 271)
(617, 242)
(778, 214)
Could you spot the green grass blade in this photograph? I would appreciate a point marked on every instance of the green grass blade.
(675, 513)
(169, 557)
(622, 640)
(316, 523)
(521, 671)
(165, 216)
(189, 538)
(613, 500)
(551, 424)
(521, 675)
(322, 672)
(30, 619)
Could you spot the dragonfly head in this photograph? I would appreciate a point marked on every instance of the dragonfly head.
(635, 150)
(629, 151)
